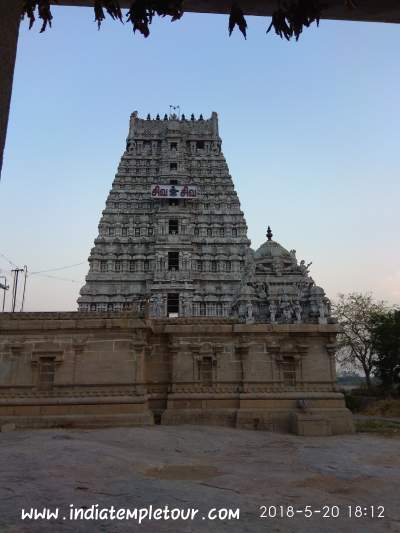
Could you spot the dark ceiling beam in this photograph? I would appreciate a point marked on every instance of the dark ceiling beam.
(367, 10)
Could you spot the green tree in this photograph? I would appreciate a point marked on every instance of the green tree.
(355, 313)
(386, 345)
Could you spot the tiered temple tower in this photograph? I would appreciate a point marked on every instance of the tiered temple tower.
(173, 240)
(172, 235)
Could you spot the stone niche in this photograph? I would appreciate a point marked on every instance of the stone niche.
(112, 369)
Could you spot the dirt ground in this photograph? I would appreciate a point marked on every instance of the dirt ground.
(201, 468)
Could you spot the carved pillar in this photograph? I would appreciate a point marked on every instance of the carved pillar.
(173, 349)
(195, 350)
(302, 351)
(331, 349)
(218, 351)
(243, 349)
(140, 349)
(77, 348)
(273, 350)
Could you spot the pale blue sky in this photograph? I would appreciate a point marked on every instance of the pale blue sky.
(310, 131)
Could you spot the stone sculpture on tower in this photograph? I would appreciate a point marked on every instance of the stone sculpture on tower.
(173, 238)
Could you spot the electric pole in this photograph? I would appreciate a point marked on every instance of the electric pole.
(16, 272)
(5, 288)
(23, 294)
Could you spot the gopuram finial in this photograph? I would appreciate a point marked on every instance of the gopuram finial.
(269, 234)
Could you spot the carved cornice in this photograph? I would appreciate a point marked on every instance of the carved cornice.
(138, 346)
(302, 349)
(218, 348)
(16, 348)
(331, 348)
(273, 349)
(37, 354)
(243, 348)
(78, 345)
(173, 348)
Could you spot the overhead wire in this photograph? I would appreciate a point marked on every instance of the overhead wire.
(57, 277)
(43, 273)
(9, 260)
(58, 268)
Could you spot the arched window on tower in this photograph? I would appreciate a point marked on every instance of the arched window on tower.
(173, 226)
(173, 260)
(173, 304)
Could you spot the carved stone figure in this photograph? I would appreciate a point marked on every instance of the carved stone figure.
(242, 311)
(249, 310)
(287, 312)
(186, 306)
(297, 311)
(272, 312)
(278, 266)
(156, 305)
(322, 312)
(304, 269)
(261, 293)
(285, 307)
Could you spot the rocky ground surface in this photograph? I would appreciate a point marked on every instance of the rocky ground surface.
(199, 467)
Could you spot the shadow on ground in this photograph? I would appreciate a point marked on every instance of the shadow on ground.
(198, 467)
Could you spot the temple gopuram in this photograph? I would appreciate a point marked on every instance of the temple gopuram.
(180, 320)
(173, 239)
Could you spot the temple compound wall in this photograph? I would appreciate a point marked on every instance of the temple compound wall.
(84, 369)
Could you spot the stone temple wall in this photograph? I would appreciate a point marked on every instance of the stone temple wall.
(99, 369)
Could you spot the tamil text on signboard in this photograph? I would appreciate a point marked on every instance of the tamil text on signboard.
(173, 191)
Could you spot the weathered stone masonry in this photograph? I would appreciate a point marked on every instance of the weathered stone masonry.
(179, 321)
(98, 369)
(172, 237)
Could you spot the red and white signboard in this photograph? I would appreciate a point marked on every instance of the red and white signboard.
(173, 191)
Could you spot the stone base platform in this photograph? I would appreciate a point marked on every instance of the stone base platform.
(320, 422)
(79, 421)
(118, 369)
(312, 423)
